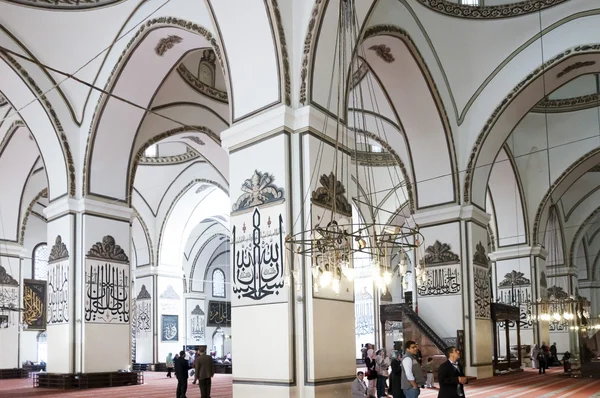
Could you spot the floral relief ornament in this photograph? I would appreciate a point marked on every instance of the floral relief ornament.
(331, 192)
(383, 52)
(258, 190)
(440, 253)
(167, 43)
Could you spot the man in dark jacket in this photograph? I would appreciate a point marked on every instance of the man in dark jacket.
(451, 376)
(182, 367)
(204, 371)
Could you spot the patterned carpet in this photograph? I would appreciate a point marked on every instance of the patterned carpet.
(526, 384)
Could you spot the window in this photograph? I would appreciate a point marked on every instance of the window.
(471, 2)
(40, 262)
(218, 283)
(151, 151)
(375, 148)
(206, 74)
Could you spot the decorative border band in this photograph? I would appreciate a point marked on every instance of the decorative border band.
(489, 12)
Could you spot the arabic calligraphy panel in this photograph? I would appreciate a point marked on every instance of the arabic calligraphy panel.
(107, 295)
(170, 328)
(58, 292)
(258, 261)
(441, 281)
(196, 321)
(34, 304)
(219, 313)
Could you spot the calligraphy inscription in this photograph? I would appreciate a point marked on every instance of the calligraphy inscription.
(58, 293)
(441, 281)
(219, 313)
(170, 328)
(107, 292)
(143, 316)
(34, 300)
(197, 324)
(258, 260)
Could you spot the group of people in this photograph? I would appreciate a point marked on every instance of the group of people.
(543, 357)
(406, 376)
(203, 371)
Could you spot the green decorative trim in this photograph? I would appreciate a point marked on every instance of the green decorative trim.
(489, 12)
(189, 154)
(200, 87)
(567, 104)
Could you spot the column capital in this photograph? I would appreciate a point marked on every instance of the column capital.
(65, 205)
(13, 249)
(441, 215)
(518, 252)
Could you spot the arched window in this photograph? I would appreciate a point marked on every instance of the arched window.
(40, 262)
(218, 283)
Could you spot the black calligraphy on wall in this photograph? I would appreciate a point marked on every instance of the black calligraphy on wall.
(258, 269)
(170, 328)
(107, 283)
(9, 297)
(143, 311)
(34, 304)
(58, 292)
(219, 313)
(481, 290)
(518, 296)
(441, 281)
(197, 324)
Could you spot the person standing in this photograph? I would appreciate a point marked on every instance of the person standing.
(395, 389)
(412, 375)
(169, 364)
(429, 369)
(204, 372)
(182, 367)
(451, 375)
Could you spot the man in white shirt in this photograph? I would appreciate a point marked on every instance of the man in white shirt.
(412, 375)
(359, 388)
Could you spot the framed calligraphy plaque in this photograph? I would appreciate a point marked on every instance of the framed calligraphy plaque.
(34, 304)
(219, 313)
(170, 328)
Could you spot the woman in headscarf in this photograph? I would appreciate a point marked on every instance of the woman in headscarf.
(383, 363)
(396, 376)
(371, 373)
(169, 364)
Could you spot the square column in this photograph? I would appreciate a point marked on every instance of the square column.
(282, 332)
(11, 293)
(89, 286)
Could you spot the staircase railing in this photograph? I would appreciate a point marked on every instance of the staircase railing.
(424, 327)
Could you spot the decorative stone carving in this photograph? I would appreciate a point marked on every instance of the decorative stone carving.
(194, 139)
(359, 74)
(170, 294)
(313, 24)
(440, 253)
(258, 190)
(3, 100)
(108, 250)
(514, 278)
(201, 87)
(557, 292)
(167, 43)
(575, 66)
(489, 12)
(6, 279)
(332, 191)
(190, 154)
(595, 169)
(65, 5)
(543, 281)
(567, 104)
(479, 257)
(59, 250)
(144, 294)
(284, 52)
(383, 52)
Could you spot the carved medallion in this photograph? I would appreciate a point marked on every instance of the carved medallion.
(440, 253)
(166, 44)
(514, 278)
(258, 190)
(331, 192)
(383, 52)
(59, 250)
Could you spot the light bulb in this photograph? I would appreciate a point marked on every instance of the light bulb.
(556, 316)
(335, 285)
(387, 278)
(325, 278)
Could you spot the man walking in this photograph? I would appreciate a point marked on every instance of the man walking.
(181, 372)
(204, 371)
(412, 376)
(451, 376)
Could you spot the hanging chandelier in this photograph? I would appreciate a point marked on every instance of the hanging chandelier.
(337, 238)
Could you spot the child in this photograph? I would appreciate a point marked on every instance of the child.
(429, 368)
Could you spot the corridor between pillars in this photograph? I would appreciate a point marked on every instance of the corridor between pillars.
(89, 286)
(287, 339)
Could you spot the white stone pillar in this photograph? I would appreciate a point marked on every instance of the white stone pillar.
(89, 286)
(286, 339)
(10, 297)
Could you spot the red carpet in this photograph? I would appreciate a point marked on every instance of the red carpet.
(527, 384)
